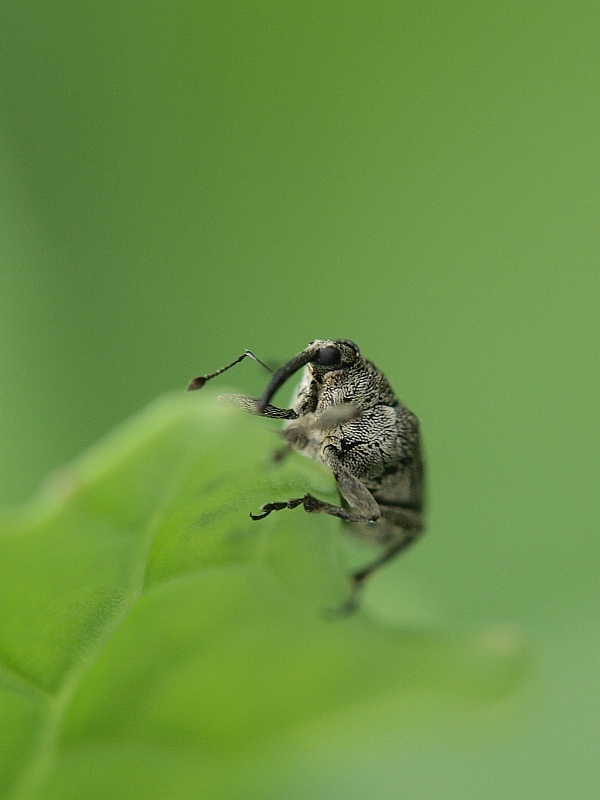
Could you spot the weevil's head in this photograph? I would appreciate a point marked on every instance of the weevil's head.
(332, 354)
(323, 355)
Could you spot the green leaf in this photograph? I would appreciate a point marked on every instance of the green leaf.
(151, 633)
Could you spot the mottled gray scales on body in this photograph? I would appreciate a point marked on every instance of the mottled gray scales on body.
(344, 413)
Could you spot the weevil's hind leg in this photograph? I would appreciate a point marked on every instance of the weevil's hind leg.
(402, 527)
(249, 404)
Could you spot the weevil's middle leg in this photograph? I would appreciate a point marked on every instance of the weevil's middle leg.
(362, 505)
(312, 505)
(267, 508)
(280, 455)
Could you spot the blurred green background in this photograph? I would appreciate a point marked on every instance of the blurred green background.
(180, 181)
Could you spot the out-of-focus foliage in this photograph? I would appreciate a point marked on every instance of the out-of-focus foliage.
(146, 622)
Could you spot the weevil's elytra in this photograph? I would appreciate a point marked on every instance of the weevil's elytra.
(345, 414)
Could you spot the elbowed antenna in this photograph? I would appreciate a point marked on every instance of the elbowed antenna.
(282, 374)
(198, 383)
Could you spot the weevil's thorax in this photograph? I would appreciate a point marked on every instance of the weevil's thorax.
(360, 384)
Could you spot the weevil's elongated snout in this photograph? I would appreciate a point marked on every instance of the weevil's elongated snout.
(281, 376)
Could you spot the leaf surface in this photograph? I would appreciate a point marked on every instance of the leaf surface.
(152, 634)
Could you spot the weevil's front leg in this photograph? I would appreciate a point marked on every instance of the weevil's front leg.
(336, 415)
(249, 404)
(272, 412)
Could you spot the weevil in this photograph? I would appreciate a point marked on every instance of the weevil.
(344, 413)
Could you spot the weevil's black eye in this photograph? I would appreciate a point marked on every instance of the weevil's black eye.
(328, 357)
